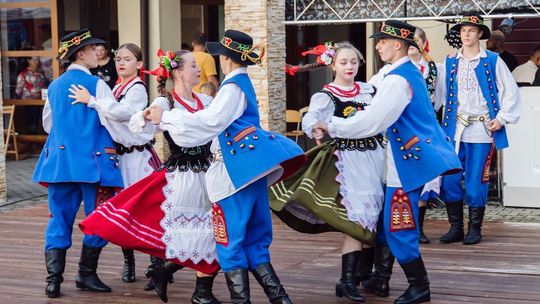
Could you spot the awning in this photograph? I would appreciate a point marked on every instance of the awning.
(353, 11)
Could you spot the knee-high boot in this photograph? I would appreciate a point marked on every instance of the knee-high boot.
(455, 217)
(238, 284)
(55, 260)
(418, 291)
(269, 281)
(364, 268)
(160, 274)
(476, 218)
(423, 238)
(380, 278)
(346, 286)
(128, 273)
(203, 291)
(87, 278)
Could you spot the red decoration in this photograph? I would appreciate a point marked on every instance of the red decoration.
(318, 50)
(227, 41)
(404, 33)
(220, 226)
(178, 99)
(402, 217)
(355, 91)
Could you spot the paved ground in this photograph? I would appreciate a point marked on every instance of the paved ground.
(22, 192)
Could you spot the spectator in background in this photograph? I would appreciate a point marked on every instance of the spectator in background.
(205, 61)
(30, 82)
(209, 89)
(106, 69)
(525, 73)
(495, 43)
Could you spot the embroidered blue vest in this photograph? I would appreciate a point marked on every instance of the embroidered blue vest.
(79, 149)
(420, 148)
(485, 73)
(249, 152)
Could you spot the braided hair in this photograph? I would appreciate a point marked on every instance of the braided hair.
(162, 81)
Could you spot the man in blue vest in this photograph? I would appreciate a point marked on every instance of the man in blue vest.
(78, 163)
(417, 152)
(247, 159)
(481, 97)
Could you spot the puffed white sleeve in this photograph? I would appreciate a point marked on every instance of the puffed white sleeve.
(136, 99)
(321, 108)
(195, 129)
(509, 96)
(393, 96)
(46, 117)
(439, 87)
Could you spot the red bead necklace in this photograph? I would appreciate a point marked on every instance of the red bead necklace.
(344, 93)
(117, 92)
(178, 99)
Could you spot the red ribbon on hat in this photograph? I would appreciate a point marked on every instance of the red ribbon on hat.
(160, 71)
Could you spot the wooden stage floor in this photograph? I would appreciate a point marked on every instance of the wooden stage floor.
(504, 268)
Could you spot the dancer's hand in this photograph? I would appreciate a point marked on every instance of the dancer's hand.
(80, 94)
(154, 115)
(494, 125)
(321, 125)
(318, 134)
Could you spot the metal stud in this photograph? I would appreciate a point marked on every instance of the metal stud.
(229, 143)
(410, 155)
(246, 138)
(416, 157)
(242, 145)
(451, 95)
(272, 136)
(417, 148)
(61, 147)
(495, 109)
(233, 152)
(394, 130)
(227, 134)
(494, 101)
(449, 110)
(489, 79)
(398, 139)
(98, 153)
(251, 147)
(428, 140)
(255, 137)
(405, 157)
(445, 124)
(402, 148)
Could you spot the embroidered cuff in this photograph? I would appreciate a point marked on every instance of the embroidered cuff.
(501, 120)
(92, 102)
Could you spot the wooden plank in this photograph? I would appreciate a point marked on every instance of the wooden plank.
(504, 268)
(36, 138)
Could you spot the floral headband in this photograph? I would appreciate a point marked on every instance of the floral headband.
(167, 62)
(325, 55)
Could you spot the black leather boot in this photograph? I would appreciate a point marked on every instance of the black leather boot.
(384, 262)
(364, 267)
(346, 286)
(55, 260)
(423, 238)
(160, 274)
(418, 291)
(238, 284)
(476, 218)
(128, 274)
(87, 278)
(269, 281)
(203, 291)
(455, 217)
(153, 261)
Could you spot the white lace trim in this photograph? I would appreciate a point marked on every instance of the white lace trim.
(188, 228)
(365, 210)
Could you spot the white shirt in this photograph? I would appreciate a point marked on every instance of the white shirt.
(115, 115)
(424, 64)
(102, 91)
(195, 129)
(393, 95)
(525, 72)
(471, 100)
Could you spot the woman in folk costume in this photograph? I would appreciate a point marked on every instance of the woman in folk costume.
(434, 75)
(137, 158)
(167, 214)
(342, 185)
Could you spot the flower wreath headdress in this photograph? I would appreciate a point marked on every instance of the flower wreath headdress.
(167, 62)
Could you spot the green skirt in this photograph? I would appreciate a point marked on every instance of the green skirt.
(309, 201)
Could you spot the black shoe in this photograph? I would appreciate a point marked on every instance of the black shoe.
(153, 261)
(455, 217)
(423, 238)
(160, 274)
(238, 284)
(87, 279)
(476, 218)
(418, 291)
(380, 278)
(55, 260)
(203, 291)
(365, 265)
(346, 286)
(269, 281)
(128, 274)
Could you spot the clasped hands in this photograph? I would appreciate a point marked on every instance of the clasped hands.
(318, 130)
(153, 114)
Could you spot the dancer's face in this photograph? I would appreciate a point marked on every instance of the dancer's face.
(346, 64)
(470, 35)
(88, 56)
(387, 49)
(126, 63)
(191, 73)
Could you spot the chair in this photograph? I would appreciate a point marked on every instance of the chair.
(8, 113)
(294, 116)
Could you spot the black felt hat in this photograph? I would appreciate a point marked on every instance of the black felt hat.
(238, 46)
(475, 20)
(396, 29)
(73, 42)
